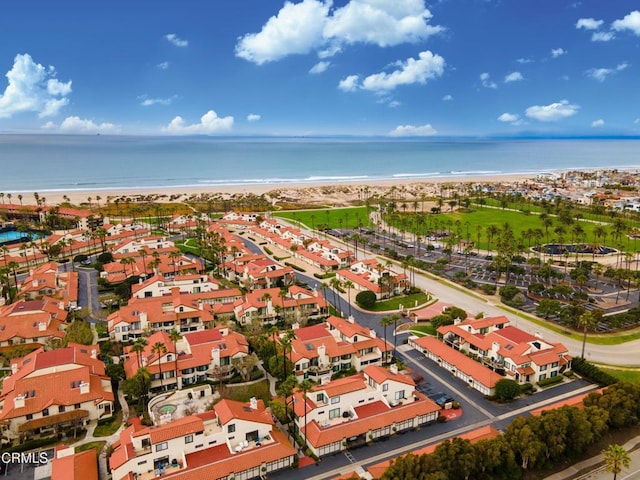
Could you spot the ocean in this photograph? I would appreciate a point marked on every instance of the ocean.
(46, 163)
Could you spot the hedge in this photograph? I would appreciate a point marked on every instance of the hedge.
(550, 381)
(295, 267)
(591, 372)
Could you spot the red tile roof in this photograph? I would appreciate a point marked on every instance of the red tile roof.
(80, 466)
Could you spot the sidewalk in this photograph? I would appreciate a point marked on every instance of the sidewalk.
(597, 473)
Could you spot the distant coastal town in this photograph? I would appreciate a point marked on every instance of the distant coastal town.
(481, 327)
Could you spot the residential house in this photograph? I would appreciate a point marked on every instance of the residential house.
(293, 304)
(158, 286)
(320, 351)
(50, 390)
(351, 411)
(370, 275)
(233, 441)
(32, 323)
(204, 355)
(48, 281)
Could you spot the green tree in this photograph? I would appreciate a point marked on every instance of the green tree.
(175, 336)
(506, 390)
(159, 349)
(615, 459)
(385, 322)
(138, 347)
(305, 387)
(525, 443)
(587, 320)
(137, 387)
(548, 307)
(366, 299)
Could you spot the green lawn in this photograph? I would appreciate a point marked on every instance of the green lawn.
(351, 217)
(188, 246)
(423, 330)
(97, 446)
(632, 376)
(245, 392)
(109, 428)
(404, 300)
(469, 223)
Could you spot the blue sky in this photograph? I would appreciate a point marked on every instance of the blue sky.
(317, 67)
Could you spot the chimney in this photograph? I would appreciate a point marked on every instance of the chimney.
(144, 361)
(42, 326)
(393, 369)
(14, 368)
(201, 306)
(350, 319)
(456, 321)
(295, 326)
(373, 333)
(34, 283)
(215, 357)
(84, 388)
(253, 403)
(18, 401)
(94, 353)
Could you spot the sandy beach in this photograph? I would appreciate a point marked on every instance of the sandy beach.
(326, 193)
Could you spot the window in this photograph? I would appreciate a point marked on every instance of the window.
(231, 428)
(399, 394)
(76, 406)
(385, 387)
(543, 368)
(335, 400)
(61, 408)
(554, 364)
(542, 376)
(554, 373)
(320, 397)
(188, 439)
(162, 446)
(334, 413)
(29, 416)
(45, 412)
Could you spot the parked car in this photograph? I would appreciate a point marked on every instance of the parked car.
(443, 400)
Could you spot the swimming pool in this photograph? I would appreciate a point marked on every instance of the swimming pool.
(8, 236)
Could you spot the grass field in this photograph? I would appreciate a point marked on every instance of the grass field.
(469, 224)
(632, 376)
(394, 303)
(351, 217)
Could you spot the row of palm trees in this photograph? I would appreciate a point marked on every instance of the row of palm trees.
(159, 349)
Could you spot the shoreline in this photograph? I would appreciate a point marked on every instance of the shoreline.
(308, 191)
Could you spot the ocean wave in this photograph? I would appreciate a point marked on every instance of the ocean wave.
(417, 175)
(335, 177)
(476, 172)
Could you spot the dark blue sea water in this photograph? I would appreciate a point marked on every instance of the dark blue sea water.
(43, 163)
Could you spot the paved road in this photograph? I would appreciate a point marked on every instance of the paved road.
(88, 291)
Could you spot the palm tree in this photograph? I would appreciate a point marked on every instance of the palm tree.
(159, 349)
(175, 336)
(138, 347)
(143, 253)
(305, 387)
(348, 284)
(615, 459)
(385, 322)
(395, 317)
(586, 320)
(174, 255)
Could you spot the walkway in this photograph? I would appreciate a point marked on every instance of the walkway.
(597, 471)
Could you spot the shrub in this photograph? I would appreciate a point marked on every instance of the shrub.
(508, 292)
(366, 299)
(488, 288)
(267, 250)
(591, 372)
(80, 258)
(106, 257)
(550, 381)
(506, 390)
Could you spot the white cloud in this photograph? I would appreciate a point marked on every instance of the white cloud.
(349, 84)
(296, 29)
(553, 112)
(629, 22)
(426, 67)
(253, 117)
(175, 40)
(311, 25)
(589, 23)
(602, 36)
(524, 61)
(210, 123)
(163, 65)
(509, 117)
(33, 88)
(413, 131)
(320, 67)
(394, 104)
(148, 102)
(513, 77)
(558, 52)
(447, 98)
(485, 78)
(597, 123)
(380, 22)
(81, 126)
(601, 74)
